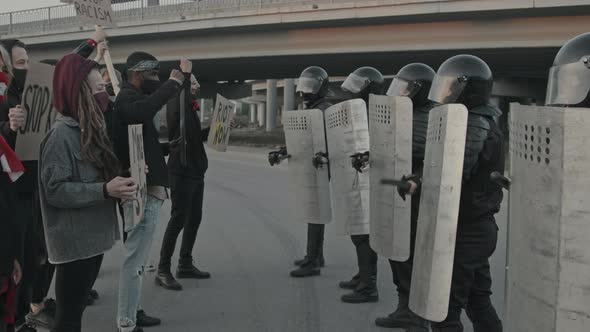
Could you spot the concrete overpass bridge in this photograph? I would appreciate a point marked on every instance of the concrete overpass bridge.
(238, 40)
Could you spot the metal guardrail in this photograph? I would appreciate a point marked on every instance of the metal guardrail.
(64, 16)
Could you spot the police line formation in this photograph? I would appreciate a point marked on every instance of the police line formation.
(415, 175)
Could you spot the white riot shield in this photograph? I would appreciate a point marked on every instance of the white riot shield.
(348, 133)
(549, 240)
(305, 135)
(439, 211)
(390, 126)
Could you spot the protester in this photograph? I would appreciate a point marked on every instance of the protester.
(10, 269)
(78, 185)
(141, 97)
(187, 186)
(5, 72)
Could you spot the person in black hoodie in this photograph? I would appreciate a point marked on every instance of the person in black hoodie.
(187, 188)
(141, 97)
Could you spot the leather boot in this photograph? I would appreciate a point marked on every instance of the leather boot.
(186, 270)
(403, 317)
(352, 283)
(364, 293)
(166, 280)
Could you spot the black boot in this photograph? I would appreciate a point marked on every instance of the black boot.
(143, 320)
(353, 283)
(187, 270)
(299, 262)
(362, 294)
(166, 280)
(310, 269)
(403, 317)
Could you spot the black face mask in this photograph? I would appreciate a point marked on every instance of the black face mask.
(150, 86)
(110, 90)
(19, 78)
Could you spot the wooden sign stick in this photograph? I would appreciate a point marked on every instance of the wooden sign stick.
(110, 68)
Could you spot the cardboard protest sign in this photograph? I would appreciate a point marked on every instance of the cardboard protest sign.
(138, 172)
(94, 12)
(40, 114)
(220, 125)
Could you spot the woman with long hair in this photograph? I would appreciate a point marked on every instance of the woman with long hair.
(79, 185)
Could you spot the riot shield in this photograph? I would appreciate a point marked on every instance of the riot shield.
(390, 125)
(549, 248)
(309, 187)
(348, 133)
(439, 211)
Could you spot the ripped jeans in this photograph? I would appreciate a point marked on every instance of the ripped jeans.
(137, 249)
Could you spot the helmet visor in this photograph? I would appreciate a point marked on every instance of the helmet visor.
(568, 84)
(446, 89)
(403, 88)
(355, 83)
(308, 85)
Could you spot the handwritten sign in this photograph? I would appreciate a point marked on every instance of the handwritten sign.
(220, 125)
(94, 12)
(40, 115)
(138, 172)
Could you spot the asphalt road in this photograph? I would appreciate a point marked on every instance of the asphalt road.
(248, 243)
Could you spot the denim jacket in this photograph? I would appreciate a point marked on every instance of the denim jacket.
(79, 221)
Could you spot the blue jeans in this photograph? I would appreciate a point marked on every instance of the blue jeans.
(137, 249)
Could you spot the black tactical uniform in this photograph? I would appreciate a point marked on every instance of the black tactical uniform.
(362, 83)
(412, 81)
(313, 88)
(468, 80)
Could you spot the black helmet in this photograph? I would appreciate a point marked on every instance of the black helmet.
(364, 81)
(413, 81)
(464, 79)
(313, 80)
(569, 78)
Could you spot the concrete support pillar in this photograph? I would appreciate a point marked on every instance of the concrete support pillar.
(261, 114)
(253, 115)
(289, 95)
(271, 104)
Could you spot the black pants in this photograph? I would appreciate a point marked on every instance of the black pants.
(37, 271)
(366, 258)
(73, 282)
(471, 285)
(187, 211)
(402, 271)
(315, 241)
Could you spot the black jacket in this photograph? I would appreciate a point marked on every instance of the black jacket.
(133, 107)
(196, 157)
(484, 154)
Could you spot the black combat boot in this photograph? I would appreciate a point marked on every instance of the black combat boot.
(309, 269)
(353, 283)
(364, 293)
(186, 270)
(403, 317)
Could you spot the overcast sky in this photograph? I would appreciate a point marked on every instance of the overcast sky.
(12, 5)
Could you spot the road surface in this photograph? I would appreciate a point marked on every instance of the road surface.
(248, 244)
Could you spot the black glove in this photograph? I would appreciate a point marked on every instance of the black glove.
(360, 161)
(275, 157)
(320, 159)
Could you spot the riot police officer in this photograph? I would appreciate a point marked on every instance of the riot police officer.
(569, 78)
(362, 83)
(313, 88)
(412, 81)
(468, 80)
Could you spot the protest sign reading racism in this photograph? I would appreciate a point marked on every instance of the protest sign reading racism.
(138, 172)
(38, 105)
(91, 12)
(220, 125)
